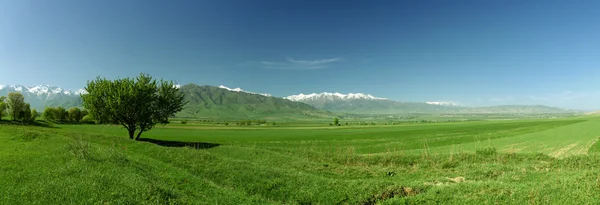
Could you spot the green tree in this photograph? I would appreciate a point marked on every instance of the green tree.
(74, 114)
(15, 104)
(336, 121)
(2, 106)
(136, 104)
(49, 113)
(61, 114)
(34, 114)
(24, 115)
(84, 113)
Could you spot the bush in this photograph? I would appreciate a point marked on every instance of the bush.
(490, 151)
(184, 122)
(88, 119)
(226, 123)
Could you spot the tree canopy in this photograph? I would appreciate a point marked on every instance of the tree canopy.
(136, 104)
(15, 103)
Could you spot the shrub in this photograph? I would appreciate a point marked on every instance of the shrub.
(490, 151)
(184, 122)
(88, 119)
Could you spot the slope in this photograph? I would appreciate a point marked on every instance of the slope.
(214, 102)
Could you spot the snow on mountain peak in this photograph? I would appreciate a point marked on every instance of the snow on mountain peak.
(38, 89)
(443, 103)
(331, 96)
(17, 87)
(81, 91)
(240, 90)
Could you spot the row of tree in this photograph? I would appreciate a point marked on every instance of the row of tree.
(136, 103)
(17, 109)
(14, 105)
(62, 115)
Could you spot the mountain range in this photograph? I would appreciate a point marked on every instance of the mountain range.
(359, 103)
(41, 96)
(224, 102)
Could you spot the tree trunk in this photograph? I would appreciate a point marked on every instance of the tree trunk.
(138, 135)
(131, 133)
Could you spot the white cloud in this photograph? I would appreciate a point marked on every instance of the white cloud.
(294, 64)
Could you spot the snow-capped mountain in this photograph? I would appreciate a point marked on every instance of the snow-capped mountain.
(444, 103)
(332, 96)
(40, 89)
(240, 90)
(40, 96)
(368, 104)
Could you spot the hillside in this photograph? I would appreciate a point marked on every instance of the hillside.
(358, 103)
(227, 103)
(215, 102)
(523, 109)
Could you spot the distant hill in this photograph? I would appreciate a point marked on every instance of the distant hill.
(358, 103)
(524, 109)
(227, 103)
(218, 102)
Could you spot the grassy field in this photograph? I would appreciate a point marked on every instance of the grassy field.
(483, 162)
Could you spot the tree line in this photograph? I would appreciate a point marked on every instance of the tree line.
(60, 114)
(14, 105)
(17, 109)
(138, 104)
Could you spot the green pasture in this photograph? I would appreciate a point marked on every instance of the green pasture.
(544, 161)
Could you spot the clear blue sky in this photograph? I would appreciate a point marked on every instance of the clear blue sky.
(472, 52)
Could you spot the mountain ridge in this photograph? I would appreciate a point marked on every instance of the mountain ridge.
(40, 96)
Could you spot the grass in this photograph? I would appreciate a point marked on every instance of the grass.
(483, 162)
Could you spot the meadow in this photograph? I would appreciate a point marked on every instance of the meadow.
(528, 161)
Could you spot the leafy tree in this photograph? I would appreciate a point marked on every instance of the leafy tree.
(15, 104)
(336, 121)
(49, 113)
(2, 106)
(61, 114)
(74, 114)
(25, 114)
(84, 113)
(87, 119)
(136, 104)
(34, 114)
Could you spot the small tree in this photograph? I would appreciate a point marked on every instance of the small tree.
(84, 113)
(25, 114)
(336, 121)
(61, 114)
(74, 114)
(2, 106)
(49, 113)
(136, 104)
(15, 104)
(34, 114)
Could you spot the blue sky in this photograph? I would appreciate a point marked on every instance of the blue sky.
(473, 52)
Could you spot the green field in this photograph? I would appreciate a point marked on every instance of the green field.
(482, 162)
